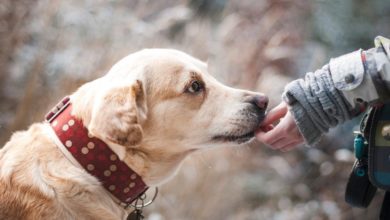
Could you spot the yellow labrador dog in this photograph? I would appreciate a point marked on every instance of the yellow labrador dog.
(116, 136)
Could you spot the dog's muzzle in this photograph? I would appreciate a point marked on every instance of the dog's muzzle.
(253, 115)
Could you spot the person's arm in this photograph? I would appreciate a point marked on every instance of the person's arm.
(363, 76)
(329, 96)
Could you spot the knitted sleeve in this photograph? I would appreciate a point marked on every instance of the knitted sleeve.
(338, 91)
(316, 104)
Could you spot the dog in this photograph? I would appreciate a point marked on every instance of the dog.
(149, 112)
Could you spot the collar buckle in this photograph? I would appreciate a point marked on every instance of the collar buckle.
(54, 112)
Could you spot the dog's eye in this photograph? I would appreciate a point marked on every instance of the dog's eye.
(195, 87)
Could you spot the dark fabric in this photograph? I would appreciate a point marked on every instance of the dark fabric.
(385, 210)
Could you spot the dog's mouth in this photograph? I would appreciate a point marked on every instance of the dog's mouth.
(239, 139)
(245, 130)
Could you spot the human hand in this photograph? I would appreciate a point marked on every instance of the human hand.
(285, 135)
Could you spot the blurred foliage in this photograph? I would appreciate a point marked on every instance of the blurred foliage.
(343, 25)
(51, 47)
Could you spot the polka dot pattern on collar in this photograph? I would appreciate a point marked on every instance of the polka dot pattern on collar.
(95, 156)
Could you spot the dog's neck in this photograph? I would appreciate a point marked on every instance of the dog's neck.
(155, 162)
(93, 154)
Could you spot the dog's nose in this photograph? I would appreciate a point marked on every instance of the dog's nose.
(260, 101)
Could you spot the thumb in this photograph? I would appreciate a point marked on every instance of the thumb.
(275, 114)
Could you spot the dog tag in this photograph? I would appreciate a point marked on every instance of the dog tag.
(135, 215)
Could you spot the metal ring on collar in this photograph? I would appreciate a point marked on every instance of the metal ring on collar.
(143, 197)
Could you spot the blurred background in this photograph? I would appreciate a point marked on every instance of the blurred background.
(48, 48)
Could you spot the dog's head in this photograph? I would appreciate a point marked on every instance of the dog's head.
(166, 101)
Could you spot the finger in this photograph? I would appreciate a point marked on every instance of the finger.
(268, 137)
(277, 133)
(291, 146)
(275, 114)
(282, 143)
(266, 128)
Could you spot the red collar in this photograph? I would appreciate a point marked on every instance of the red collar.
(94, 155)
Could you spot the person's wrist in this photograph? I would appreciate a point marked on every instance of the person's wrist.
(306, 127)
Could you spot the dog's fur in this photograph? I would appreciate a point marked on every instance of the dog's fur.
(148, 113)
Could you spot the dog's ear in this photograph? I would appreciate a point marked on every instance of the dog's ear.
(118, 114)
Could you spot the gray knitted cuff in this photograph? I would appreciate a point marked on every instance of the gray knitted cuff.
(316, 104)
(309, 131)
